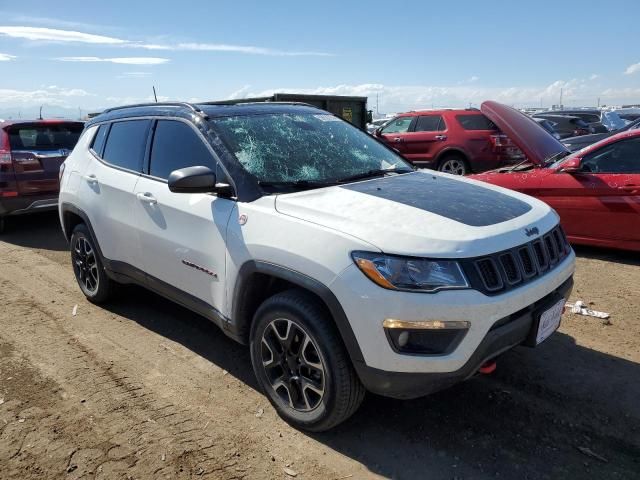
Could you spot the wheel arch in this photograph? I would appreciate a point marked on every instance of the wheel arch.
(73, 216)
(450, 152)
(258, 280)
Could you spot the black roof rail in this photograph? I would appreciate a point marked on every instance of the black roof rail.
(254, 101)
(191, 106)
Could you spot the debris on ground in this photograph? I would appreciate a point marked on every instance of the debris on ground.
(590, 453)
(290, 472)
(260, 412)
(580, 308)
(75, 310)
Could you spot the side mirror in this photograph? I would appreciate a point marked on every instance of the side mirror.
(192, 180)
(570, 166)
(378, 132)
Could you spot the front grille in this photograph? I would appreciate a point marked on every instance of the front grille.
(511, 268)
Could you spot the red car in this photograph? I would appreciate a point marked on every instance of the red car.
(31, 153)
(596, 190)
(452, 141)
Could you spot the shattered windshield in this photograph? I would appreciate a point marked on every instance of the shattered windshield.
(289, 148)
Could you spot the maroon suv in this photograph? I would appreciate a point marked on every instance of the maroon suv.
(31, 153)
(452, 141)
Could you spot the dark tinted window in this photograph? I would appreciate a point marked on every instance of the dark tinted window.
(475, 122)
(429, 123)
(98, 140)
(619, 157)
(44, 137)
(578, 122)
(126, 143)
(176, 145)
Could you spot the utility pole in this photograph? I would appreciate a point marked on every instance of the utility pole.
(561, 107)
(377, 104)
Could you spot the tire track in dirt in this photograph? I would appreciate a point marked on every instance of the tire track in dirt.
(115, 412)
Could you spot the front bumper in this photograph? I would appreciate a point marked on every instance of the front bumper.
(28, 204)
(505, 334)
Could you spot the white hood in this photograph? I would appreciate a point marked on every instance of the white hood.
(424, 214)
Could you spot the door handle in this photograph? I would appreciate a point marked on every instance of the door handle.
(440, 137)
(147, 198)
(397, 140)
(92, 179)
(630, 188)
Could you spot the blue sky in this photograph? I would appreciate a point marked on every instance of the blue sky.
(410, 54)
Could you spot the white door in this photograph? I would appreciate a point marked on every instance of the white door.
(182, 236)
(108, 187)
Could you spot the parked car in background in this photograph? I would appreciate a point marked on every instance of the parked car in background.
(452, 141)
(593, 118)
(549, 126)
(596, 191)
(375, 124)
(31, 153)
(566, 126)
(341, 267)
(576, 143)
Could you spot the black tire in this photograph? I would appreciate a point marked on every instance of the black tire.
(294, 313)
(3, 224)
(88, 268)
(455, 165)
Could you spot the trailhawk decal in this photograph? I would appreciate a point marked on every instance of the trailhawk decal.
(460, 201)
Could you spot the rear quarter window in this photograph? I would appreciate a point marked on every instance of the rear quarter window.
(99, 140)
(475, 122)
(126, 144)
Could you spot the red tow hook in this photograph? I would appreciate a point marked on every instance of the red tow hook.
(488, 367)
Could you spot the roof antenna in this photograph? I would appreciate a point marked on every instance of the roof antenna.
(154, 93)
(40, 118)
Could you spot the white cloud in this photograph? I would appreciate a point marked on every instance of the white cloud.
(55, 35)
(632, 69)
(594, 76)
(136, 74)
(407, 97)
(5, 57)
(51, 95)
(120, 60)
(247, 49)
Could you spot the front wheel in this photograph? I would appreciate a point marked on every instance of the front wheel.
(87, 266)
(454, 166)
(301, 362)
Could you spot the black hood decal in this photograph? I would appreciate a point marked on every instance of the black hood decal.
(460, 201)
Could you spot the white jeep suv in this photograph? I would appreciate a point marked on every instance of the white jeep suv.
(340, 266)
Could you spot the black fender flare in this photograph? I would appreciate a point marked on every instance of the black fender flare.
(303, 281)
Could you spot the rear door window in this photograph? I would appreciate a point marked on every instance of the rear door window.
(430, 123)
(176, 145)
(475, 122)
(398, 125)
(45, 137)
(126, 144)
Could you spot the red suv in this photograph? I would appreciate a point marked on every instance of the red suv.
(452, 141)
(31, 153)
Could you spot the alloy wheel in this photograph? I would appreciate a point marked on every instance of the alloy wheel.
(85, 264)
(293, 365)
(454, 166)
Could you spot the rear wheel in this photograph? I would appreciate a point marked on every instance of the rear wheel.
(454, 165)
(87, 267)
(301, 363)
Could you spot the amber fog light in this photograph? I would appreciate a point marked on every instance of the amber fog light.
(433, 337)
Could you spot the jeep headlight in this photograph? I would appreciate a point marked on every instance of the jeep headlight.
(410, 273)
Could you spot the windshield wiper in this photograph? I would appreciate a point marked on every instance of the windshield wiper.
(556, 157)
(373, 173)
(297, 183)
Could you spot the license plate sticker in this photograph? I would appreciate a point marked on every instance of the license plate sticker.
(549, 322)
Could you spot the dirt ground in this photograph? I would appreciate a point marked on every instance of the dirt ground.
(145, 389)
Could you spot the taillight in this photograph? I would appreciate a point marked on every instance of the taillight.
(5, 149)
(499, 140)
